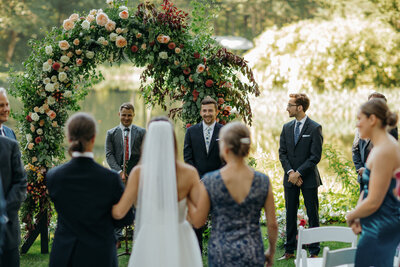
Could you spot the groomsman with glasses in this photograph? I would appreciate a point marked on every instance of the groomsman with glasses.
(299, 152)
(4, 114)
(201, 148)
(123, 146)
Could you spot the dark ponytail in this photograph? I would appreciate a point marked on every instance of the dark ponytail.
(81, 128)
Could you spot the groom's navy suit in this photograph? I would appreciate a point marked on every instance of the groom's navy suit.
(83, 193)
(302, 157)
(195, 154)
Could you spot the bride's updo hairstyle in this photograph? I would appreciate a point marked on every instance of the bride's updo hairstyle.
(163, 118)
(379, 108)
(81, 128)
(236, 137)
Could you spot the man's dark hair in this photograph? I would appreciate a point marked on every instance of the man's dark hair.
(128, 106)
(377, 95)
(208, 100)
(301, 100)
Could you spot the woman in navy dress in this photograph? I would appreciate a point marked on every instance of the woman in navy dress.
(236, 194)
(377, 214)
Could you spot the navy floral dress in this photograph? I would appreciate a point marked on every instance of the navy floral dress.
(235, 235)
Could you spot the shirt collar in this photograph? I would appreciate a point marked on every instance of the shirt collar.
(302, 120)
(122, 127)
(77, 154)
(212, 126)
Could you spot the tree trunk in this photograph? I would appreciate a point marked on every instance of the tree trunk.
(11, 46)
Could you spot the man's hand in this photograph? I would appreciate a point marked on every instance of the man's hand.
(360, 171)
(122, 174)
(295, 178)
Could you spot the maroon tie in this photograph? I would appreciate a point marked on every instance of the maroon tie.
(126, 145)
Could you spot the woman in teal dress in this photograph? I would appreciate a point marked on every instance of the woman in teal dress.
(377, 214)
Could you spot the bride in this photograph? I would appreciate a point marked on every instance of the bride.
(159, 187)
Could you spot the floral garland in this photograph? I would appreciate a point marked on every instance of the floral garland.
(62, 68)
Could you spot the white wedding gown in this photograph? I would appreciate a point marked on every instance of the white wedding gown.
(189, 251)
(163, 237)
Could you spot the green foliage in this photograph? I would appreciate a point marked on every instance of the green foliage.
(328, 55)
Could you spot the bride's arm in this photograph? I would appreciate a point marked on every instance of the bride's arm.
(199, 203)
(129, 196)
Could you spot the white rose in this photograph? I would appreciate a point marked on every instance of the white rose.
(56, 86)
(62, 76)
(54, 78)
(49, 87)
(49, 50)
(39, 131)
(51, 100)
(113, 36)
(35, 116)
(64, 59)
(122, 8)
(68, 94)
(41, 109)
(93, 12)
(86, 24)
(46, 66)
(163, 55)
(89, 54)
(110, 2)
(46, 80)
(28, 137)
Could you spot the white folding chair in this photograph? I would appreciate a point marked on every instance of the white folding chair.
(321, 234)
(339, 257)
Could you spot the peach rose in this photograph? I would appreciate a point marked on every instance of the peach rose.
(54, 124)
(101, 19)
(41, 123)
(34, 159)
(138, 35)
(76, 41)
(70, 54)
(118, 30)
(120, 42)
(51, 114)
(143, 46)
(50, 61)
(79, 61)
(33, 128)
(110, 26)
(36, 109)
(159, 38)
(177, 50)
(74, 17)
(68, 24)
(124, 14)
(64, 45)
(30, 146)
(90, 18)
(200, 68)
(176, 62)
(78, 52)
(165, 39)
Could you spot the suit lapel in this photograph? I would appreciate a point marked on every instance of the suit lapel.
(291, 133)
(119, 136)
(213, 138)
(201, 137)
(133, 138)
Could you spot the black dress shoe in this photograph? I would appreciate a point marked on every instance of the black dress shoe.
(286, 256)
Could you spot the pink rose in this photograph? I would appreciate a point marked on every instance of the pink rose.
(79, 61)
(221, 101)
(101, 19)
(68, 24)
(200, 68)
(110, 26)
(124, 14)
(171, 45)
(64, 45)
(120, 42)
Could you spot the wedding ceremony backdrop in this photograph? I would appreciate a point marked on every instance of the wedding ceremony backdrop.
(181, 67)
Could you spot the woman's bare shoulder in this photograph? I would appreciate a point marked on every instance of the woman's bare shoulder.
(186, 170)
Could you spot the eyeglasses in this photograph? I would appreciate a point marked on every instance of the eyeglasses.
(292, 105)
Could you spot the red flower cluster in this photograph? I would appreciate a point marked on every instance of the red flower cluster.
(134, 48)
(209, 83)
(28, 118)
(195, 94)
(303, 222)
(56, 66)
(174, 17)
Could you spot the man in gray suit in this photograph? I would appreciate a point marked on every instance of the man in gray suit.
(4, 114)
(123, 146)
(13, 180)
(299, 152)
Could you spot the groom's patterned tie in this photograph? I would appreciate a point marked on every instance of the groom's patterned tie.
(297, 132)
(208, 137)
(126, 131)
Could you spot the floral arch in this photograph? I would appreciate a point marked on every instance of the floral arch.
(62, 67)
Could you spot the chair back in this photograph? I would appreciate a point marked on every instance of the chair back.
(337, 257)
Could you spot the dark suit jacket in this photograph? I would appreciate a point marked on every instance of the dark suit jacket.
(195, 152)
(115, 148)
(361, 149)
(303, 156)
(83, 193)
(9, 132)
(13, 179)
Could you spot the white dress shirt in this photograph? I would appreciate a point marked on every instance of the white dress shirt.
(77, 154)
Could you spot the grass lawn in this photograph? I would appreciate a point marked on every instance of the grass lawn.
(35, 259)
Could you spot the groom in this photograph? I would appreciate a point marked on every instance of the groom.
(201, 148)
